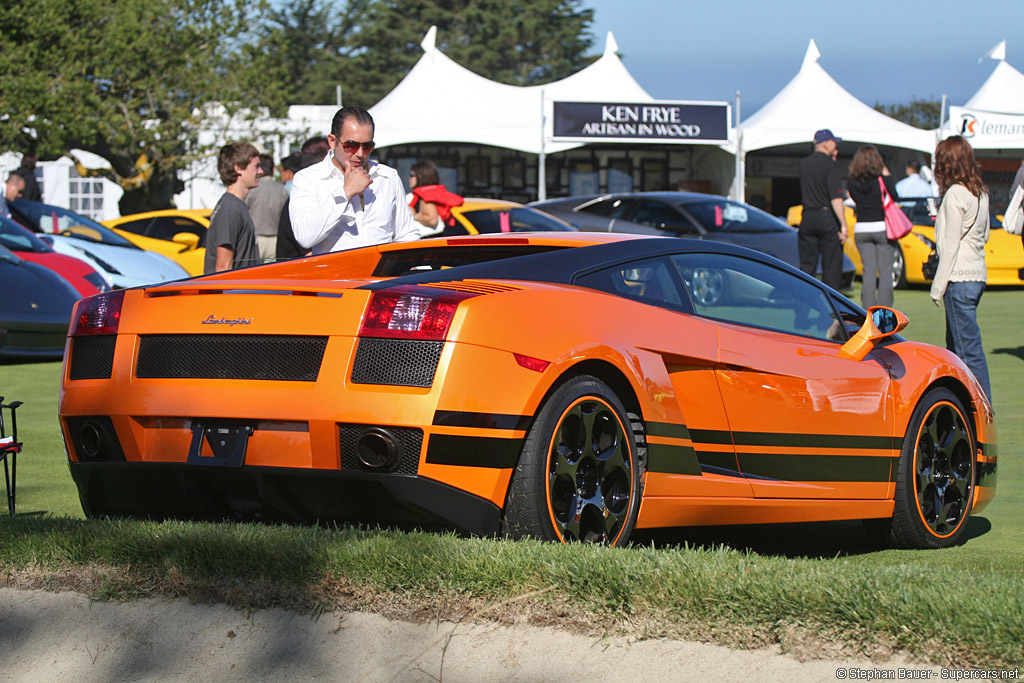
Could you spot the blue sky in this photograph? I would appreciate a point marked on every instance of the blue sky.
(884, 52)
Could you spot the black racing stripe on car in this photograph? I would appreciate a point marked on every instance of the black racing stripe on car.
(813, 440)
(473, 451)
(717, 436)
(669, 429)
(715, 462)
(457, 418)
(800, 467)
(989, 450)
(671, 459)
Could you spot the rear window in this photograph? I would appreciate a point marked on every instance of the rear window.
(396, 263)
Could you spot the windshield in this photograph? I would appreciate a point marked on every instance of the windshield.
(17, 238)
(57, 221)
(722, 215)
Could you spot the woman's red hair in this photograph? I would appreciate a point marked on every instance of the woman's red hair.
(955, 163)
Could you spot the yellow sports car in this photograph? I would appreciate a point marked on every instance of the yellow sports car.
(179, 234)
(1004, 255)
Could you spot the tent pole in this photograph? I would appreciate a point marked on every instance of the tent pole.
(741, 158)
(542, 185)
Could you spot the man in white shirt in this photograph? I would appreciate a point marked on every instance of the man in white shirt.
(347, 200)
(914, 185)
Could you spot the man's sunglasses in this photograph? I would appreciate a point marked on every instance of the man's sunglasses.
(350, 146)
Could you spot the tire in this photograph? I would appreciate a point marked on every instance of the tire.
(935, 479)
(899, 269)
(578, 477)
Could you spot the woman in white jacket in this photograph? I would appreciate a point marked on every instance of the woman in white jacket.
(961, 231)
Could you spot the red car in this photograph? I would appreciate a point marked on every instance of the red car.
(25, 244)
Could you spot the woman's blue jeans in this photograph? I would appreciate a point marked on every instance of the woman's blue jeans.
(963, 336)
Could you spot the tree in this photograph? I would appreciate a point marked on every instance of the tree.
(368, 46)
(128, 80)
(920, 113)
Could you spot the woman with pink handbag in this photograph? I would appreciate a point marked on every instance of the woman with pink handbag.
(867, 176)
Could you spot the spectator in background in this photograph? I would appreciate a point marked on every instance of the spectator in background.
(913, 185)
(877, 251)
(313, 151)
(430, 201)
(348, 200)
(27, 171)
(12, 190)
(290, 165)
(961, 231)
(1018, 180)
(822, 229)
(265, 202)
(231, 239)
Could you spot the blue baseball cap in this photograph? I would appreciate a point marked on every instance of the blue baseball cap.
(824, 135)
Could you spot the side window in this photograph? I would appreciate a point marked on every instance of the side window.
(135, 227)
(166, 227)
(662, 216)
(650, 281)
(747, 292)
(612, 207)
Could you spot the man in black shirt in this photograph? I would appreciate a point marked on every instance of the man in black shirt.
(822, 228)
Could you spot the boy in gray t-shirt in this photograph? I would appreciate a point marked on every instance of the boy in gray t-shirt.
(231, 239)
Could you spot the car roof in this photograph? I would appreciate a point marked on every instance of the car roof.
(561, 265)
(188, 213)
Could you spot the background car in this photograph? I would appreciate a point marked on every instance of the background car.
(483, 216)
(179, 234)
(531, 384)
(1004, 254)
(25, 244)
(35, 308)
(685, 214)
(122, 263)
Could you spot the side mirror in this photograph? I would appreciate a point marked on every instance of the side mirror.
(187, 240)
(881, 322)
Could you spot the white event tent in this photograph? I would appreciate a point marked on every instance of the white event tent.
(813, 100)
(440, 100)
(993, 118)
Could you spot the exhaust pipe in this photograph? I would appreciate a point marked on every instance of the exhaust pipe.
(378, 450)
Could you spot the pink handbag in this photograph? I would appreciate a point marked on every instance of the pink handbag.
(897, 224)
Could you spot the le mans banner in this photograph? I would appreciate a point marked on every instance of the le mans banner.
(659, 121)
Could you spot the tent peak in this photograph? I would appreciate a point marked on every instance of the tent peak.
(610, 46)
(997, 53)
(812, 54)
(429, 43)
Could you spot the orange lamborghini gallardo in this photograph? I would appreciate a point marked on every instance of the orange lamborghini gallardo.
(562, 386)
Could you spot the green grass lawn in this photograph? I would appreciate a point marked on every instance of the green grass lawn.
(739, 586)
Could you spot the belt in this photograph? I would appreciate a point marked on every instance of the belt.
(817, 208)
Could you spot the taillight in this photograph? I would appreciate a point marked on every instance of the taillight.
(99, 314)
(411, 312)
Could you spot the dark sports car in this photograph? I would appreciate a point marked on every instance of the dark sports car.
(685, 214)
(560, 385)
(35, 308)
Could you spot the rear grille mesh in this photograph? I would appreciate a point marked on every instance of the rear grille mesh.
(396, 362)
(231, 356)
(92, 357)
(408, 439)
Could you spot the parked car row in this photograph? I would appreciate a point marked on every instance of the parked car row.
(685, 214)
(1004, 254)
(51, 257)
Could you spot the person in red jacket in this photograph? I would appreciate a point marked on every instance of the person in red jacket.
(431, 202)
